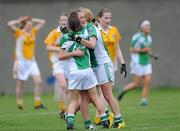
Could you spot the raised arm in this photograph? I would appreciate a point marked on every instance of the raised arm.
(13, 24)
(39, 23)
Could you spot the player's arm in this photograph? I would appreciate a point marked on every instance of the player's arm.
(52, 48)
(13, 24)
(119, 54)
(139, 50)
(39, 23)
(121, 59)
(51, 41)
(66, 55)
(91, 43)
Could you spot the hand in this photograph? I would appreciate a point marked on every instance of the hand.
(76, 38)
(24, 18)
(79, 52)
(64, 30)
(123, 69)
(155, 56)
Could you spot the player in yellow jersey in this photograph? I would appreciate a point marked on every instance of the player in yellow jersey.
(58, 67)
(112, 39)
(25, 30)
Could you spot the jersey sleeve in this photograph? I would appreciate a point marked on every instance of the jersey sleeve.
(91, 30)
(135, 39)
(50, 39)
(118, 36)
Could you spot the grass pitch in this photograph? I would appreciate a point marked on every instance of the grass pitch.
(162, 113)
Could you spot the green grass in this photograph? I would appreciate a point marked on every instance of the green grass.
(162, 113)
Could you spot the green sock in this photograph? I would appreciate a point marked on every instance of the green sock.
(118, 119)
(87, 123)
(103, 117)
(70, 119)
(107, 112)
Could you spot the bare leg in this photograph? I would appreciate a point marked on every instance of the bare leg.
(74, 97)
(135, 84)
(62, 91)
(130, 86)
(38, 86)
(19, 93)
(107, 92)
(84, 105)
(37, 92)
(147, 81)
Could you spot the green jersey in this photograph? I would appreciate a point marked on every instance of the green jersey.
(69, 45)
(139, 40)
(99, 55)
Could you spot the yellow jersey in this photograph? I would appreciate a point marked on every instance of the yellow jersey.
(52, 39)
(111, 39)
(25, 44)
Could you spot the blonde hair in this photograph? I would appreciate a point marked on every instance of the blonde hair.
(88, 14)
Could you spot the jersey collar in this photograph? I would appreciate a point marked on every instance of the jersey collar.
(100, 28)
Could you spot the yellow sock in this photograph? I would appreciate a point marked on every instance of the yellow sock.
(37, 102)
(20, 102)
(62, 106)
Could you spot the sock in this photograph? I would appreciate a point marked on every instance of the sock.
(87, 123)
(118, 119)
(70, 119)
(37, 101)
(103, 117)
(144, 101)
(20, 102)
(107, 112)
(62, 106)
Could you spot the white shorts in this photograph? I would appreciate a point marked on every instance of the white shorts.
(141, 70)
(27, 68)
(60, 67)
(82, 79)
(104, 73)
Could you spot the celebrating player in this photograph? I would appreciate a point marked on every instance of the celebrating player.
(103, 69)
(111, 39)
(81, 76)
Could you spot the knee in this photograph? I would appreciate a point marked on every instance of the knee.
(38, 83)
(63, 87)
(107, 96)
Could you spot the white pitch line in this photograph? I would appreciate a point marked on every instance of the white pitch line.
(28, 114)
(154, 126)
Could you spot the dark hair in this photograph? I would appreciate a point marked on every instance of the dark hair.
(23, 23)
(101, 13)
(74, 22)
